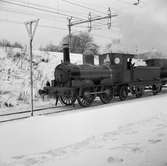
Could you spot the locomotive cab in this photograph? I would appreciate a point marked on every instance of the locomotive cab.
(123, 72)
(119, 66)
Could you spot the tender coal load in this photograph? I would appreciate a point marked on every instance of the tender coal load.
(162, 63)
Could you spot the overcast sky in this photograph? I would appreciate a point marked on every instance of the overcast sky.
(142, 27)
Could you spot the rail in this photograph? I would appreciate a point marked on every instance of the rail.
(26, 114)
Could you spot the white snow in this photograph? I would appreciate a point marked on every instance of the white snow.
(131, 133)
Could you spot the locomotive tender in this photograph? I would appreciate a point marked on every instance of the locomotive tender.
(115, 78)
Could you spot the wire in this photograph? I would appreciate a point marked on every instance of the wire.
(42, 26)
(52, 27)
(83, 6)
(46, 7)
(37, 8)
(29, 14)
(40, 9)
(98, 24)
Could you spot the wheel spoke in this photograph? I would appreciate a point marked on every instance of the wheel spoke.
(86, 99)
(107, 96)
(67, 100)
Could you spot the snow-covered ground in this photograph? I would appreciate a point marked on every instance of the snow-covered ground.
(130, 133)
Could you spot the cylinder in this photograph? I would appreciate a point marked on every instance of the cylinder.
(66, 54)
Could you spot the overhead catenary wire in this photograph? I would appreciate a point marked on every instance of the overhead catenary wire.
(51, 8)
(40, 25)
(44, 26)
(57, 28)
(47, 7)
(30, 14)
(83, 6)
(52, 27)
(38, 8)
(89, 16)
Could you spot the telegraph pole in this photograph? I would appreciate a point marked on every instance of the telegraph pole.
(31, 28)
(90, 20)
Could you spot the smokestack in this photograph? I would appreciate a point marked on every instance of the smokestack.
(66, 54)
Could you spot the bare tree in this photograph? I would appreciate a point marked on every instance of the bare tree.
(81, 43)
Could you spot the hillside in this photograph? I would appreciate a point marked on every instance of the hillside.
(15, 73)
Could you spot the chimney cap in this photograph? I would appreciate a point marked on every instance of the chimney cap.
(65, 45)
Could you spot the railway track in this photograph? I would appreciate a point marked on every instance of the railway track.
(27, 113)
(7, 117)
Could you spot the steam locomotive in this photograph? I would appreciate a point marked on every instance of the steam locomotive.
(114, 79)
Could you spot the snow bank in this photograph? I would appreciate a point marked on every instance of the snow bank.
(15, 74)
(126, 133)
(2, 53)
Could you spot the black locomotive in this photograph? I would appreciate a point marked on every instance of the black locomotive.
(117, 77)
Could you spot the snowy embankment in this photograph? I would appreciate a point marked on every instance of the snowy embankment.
(132, 133)
(15, 74)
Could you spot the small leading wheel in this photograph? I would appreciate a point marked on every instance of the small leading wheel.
(123, 93)
(86, 99)
(107, 95)
(67, 100)
(156, 89)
